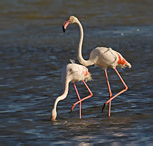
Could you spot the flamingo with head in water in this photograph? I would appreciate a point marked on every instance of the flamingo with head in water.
(71, 73)
(103, 57)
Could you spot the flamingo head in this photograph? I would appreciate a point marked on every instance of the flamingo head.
(71, 20)
(54, 115)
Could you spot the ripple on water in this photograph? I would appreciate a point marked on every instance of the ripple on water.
(34, 49)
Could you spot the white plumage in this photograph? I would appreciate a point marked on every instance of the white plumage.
(71, 73)
(75, 72)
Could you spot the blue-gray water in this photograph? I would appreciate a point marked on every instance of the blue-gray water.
(33, 49)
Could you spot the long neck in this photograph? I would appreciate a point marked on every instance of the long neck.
(63, 96)
(80, 58)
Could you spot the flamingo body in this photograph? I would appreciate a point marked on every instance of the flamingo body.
(107, 57)
(71, 73)
(75, 72)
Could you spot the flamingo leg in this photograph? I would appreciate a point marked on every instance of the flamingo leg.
(110, 92)
(91, 94)
(125, 89)
(78, 98)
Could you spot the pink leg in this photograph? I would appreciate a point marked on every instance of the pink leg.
(110, 92)
(105, 104)
(91, 94)
(78, 98)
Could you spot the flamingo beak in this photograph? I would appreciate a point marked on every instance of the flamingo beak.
(65, 24)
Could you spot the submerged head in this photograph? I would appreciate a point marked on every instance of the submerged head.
(54, 115)
(71, 20)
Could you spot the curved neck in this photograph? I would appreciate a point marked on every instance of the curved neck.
(63, 96)
(80, 57)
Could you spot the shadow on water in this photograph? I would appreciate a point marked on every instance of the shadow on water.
(33, 49)
(117, 129)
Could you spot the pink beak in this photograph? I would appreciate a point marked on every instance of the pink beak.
(65, 24)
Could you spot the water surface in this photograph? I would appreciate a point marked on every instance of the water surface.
(33, 49)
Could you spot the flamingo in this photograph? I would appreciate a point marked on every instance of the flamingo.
(71, 73)
(102, 57)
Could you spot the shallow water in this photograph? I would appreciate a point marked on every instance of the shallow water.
(33, 49)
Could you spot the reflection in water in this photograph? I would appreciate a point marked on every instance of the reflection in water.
(33, 50)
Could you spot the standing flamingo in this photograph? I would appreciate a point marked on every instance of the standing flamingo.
(71, 73)
(103, 57)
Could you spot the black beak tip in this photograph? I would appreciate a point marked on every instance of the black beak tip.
(63, 29)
